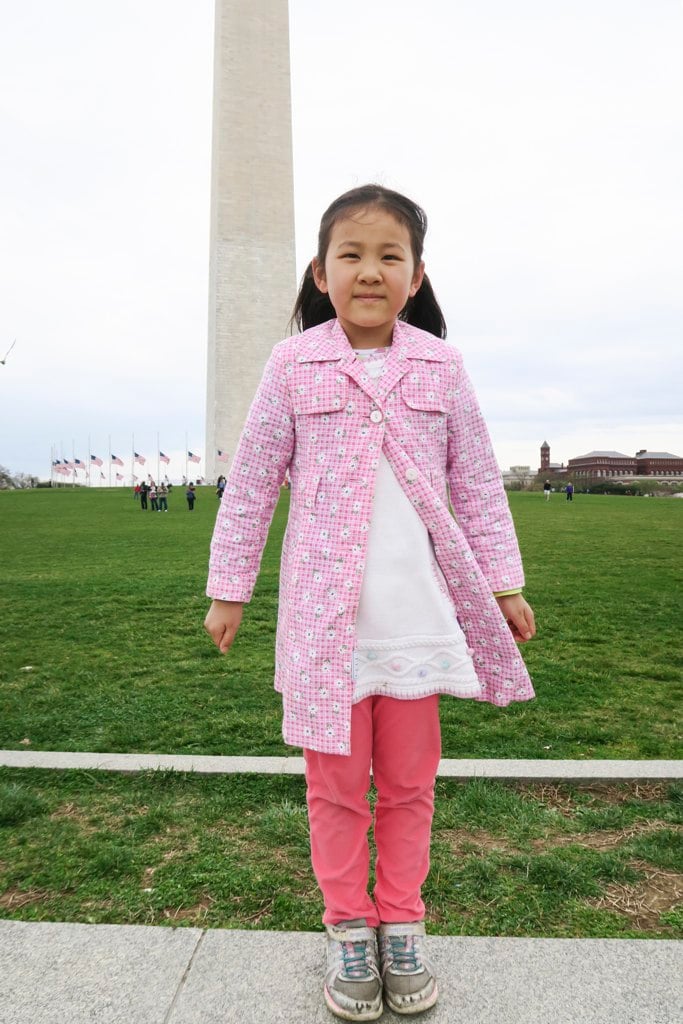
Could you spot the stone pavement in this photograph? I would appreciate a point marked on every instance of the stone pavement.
(116, 974)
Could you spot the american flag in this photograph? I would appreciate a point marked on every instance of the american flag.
(194, 458)
(102, 476)
(164, 458)
(222, 456)
(95, 461)
(69, 465)
(134, 477)
(139, 458)
(120, 477)
(116, 460)
(78, 464)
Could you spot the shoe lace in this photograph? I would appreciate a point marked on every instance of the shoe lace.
(404, 952)
(354, 956)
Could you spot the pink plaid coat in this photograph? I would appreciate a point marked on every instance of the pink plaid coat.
(318, 413)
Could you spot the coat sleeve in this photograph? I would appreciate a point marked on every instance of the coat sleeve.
(476, 487)
(253, 486)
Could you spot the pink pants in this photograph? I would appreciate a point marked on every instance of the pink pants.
(401, 739)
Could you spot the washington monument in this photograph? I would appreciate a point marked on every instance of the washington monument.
(252, 275)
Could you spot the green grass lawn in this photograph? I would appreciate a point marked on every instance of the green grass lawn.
(103, 649)
(232, 851)
(102, 646)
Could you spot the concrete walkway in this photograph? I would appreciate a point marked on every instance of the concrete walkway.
(465, 768)
(114, 974)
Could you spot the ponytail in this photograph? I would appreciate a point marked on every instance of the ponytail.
(312, 307)
(424, 311)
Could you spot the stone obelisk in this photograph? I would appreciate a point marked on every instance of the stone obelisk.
(252, 275)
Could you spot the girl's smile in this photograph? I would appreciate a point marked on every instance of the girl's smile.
(369, 274)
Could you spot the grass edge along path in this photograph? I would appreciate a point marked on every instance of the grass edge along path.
(508, 859)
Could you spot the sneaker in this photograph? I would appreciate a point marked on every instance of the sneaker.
(408, 976)
(353, 989)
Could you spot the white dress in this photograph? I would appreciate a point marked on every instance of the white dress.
(409, 641)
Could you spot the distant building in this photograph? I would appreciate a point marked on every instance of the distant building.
(604, 464)
(658, 464)
(521, 475)
(548, 468)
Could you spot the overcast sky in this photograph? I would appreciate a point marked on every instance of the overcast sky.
(543, 138)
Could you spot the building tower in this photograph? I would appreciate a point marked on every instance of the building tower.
(252, 274)
(545, 458)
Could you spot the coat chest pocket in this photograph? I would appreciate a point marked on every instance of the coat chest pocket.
(318, 390)
(422, 394)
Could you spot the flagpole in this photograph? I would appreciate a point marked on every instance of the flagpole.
(158, 470)
(73, 456)
(186, 476)
(109, 442)
(87, 465)
(132, 460)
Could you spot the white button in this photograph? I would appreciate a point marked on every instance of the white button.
(376, 416)
(411, 474)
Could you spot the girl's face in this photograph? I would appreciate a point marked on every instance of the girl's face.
(369, 274)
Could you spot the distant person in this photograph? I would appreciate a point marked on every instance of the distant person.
(162, 500)
(153, 497)
(144, 491)
(547, 489)
(136, 492)
(569, 491)
(220, 487)
(191, 496)
(352, 706)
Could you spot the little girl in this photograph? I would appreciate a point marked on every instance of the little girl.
(386, 598)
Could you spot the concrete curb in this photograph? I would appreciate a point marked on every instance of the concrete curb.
(500, 768)
(118, 974)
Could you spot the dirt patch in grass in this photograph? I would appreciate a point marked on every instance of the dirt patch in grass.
(13, 899)
(602, 840)
(559, 798)
(71, 812)
(460, 839)
(645, 901)
(198, 912)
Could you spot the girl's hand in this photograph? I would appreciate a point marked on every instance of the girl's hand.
(222, 622)
(519, 617)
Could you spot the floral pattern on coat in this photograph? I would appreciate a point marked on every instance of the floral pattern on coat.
(318, 414)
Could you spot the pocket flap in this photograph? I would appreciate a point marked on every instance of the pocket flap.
(319, 392)
(422, 395)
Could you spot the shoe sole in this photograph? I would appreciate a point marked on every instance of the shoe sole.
(424, 1004)
(339, 1011)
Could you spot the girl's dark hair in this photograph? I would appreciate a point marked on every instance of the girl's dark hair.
(313, 307)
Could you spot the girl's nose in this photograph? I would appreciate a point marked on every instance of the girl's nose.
(369, 270)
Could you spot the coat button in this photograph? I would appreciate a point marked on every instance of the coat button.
(412, 474)
(376, 416)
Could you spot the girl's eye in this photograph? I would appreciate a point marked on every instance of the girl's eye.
(391, 257)
(349, 255)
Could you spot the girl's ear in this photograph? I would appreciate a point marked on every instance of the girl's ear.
(417, 279)
(318, 271)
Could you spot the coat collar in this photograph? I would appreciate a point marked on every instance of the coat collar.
(328, 342)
